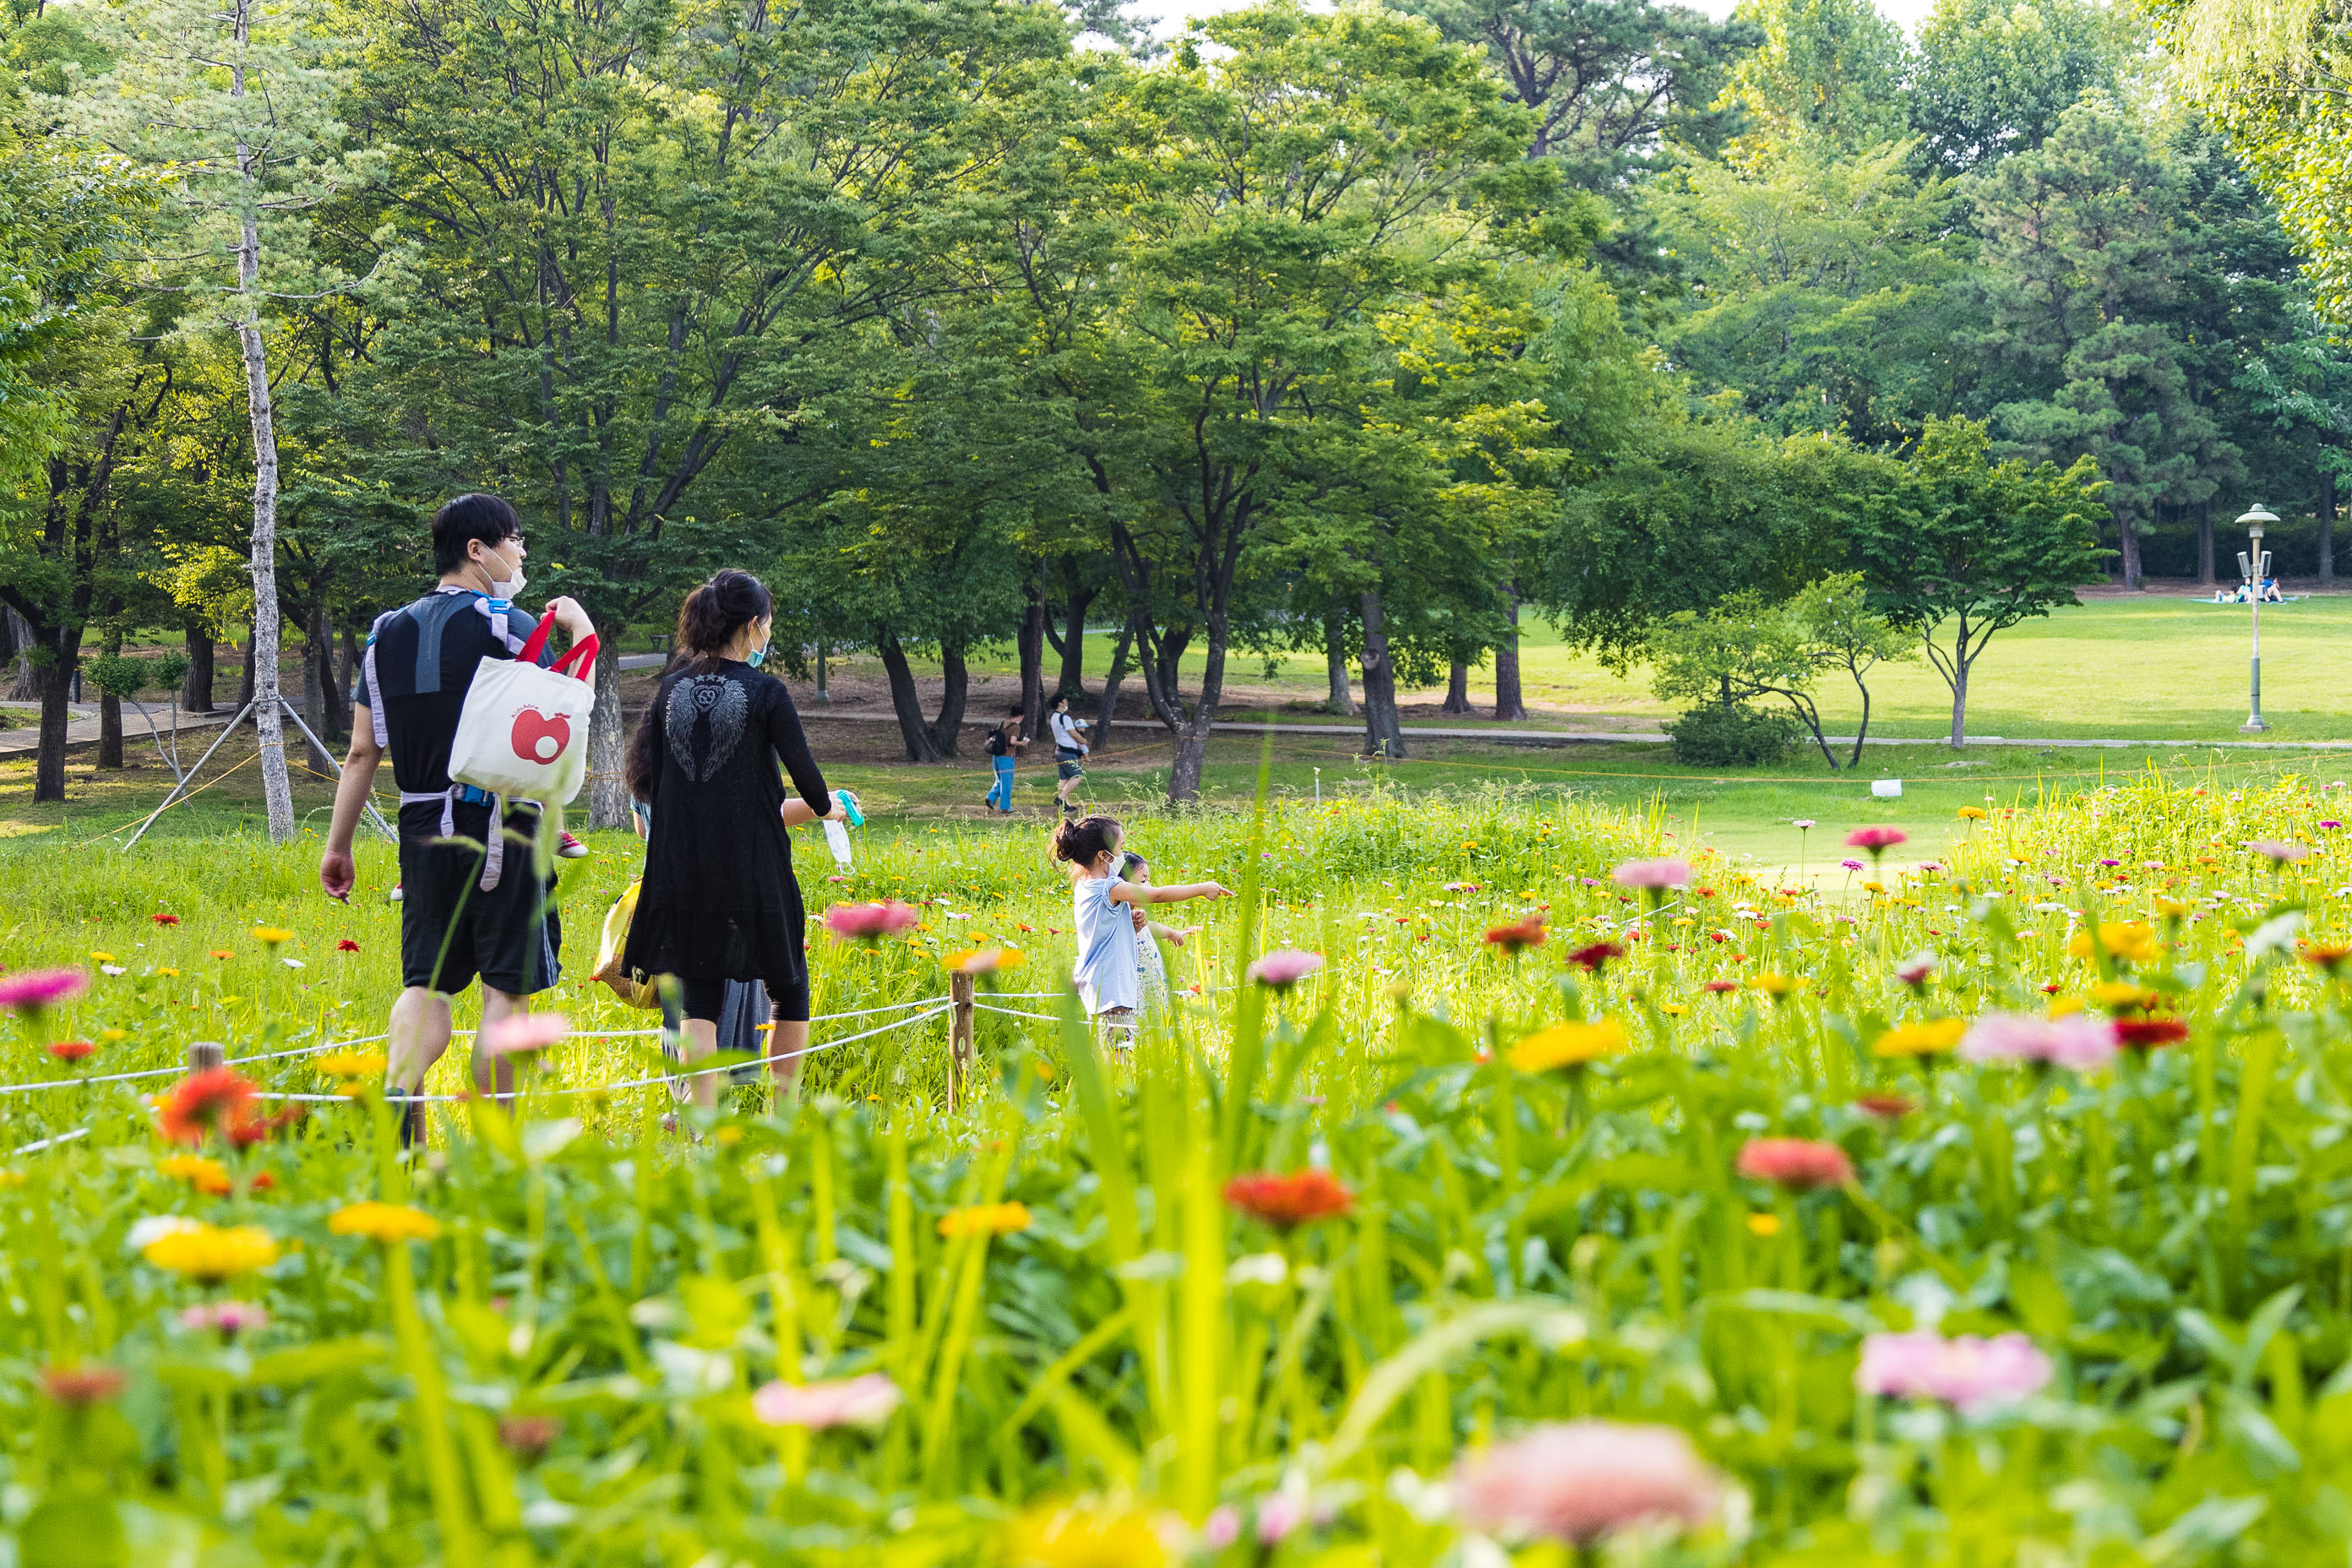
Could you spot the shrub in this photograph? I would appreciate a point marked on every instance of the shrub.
(1737, 736)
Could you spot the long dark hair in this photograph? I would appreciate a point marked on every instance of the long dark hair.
(1086, 839)
(707, 622)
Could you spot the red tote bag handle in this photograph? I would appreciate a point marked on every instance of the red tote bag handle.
(582, 657)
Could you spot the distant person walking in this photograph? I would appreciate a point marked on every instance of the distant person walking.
(718, 901)
(1070, 750)
(1003, 742)
(466, 909)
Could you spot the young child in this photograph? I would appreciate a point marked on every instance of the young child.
(1107, 974)
(1148, 959)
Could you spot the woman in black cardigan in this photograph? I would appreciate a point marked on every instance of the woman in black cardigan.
(719, 902)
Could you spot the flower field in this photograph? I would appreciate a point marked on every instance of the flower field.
(1584, 1204)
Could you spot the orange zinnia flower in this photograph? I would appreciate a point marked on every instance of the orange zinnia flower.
(203, 1103)
(1289, 1201)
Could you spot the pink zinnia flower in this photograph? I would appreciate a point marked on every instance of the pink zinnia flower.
(34, 989)
(524, 1034)
(869, 922)
(1916, 970)
(1277, 1516)
(2278, 854)
(864, 1401)
(1578, 1481)
(227, 1319)
(2079, 1040)
(1851, 864)
(1285, 967)
(1654, 875)
(1968, 1373)
(1877, 840)
(1799, 1162)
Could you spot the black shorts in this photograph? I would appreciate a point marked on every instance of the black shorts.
(1067, 763)
(506, 936)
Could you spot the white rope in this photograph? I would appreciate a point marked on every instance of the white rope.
(1017, 1013)
(631, 1083)
(40, 1144)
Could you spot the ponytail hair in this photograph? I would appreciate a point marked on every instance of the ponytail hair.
(716, 611)
(1086, 839)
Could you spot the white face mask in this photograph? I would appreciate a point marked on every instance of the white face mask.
(506, 590)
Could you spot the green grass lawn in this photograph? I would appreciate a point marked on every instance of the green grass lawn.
(2135, 666)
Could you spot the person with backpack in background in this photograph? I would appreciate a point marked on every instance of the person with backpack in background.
(1004, 741)
(469, 908)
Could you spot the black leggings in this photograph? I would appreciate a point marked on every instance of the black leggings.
(705, 999)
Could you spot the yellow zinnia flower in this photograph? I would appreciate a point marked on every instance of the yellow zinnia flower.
(270, 936)
(1568, 1045)
(1084, 1538)
(2114, 994)
(1973, 813)
(1764, 1224)
(352, 1063)
(985, 1219)
(193, 1168)
(2133, 941)
(384, 1222)
(209, 1253)
(1928, 1038)
(2065, 1006)
(1772, 985)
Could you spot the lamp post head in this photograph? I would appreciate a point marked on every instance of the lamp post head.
(2255, 518)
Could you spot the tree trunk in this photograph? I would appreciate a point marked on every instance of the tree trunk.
(1959, 704)
(1192, 736)
(2205, 544)
(55, 682)
(24, 685)
(245, 679)
(109, 731)
(1032, 644)
(2129, 536)
(608, 742)
(347, 664)
(1335, 669)
(2327, 526)
(1508, 704)
(1108, 710)
(1457, 687)
(276, 792)
(1383, 735)
(317, 675)
(905, 700)
(196, 696)
(955, 682)
(1071, 643)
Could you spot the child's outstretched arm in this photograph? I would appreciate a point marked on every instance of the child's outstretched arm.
(1173, 893)
(1174, 935)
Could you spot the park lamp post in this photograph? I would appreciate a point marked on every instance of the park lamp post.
(2255, 521)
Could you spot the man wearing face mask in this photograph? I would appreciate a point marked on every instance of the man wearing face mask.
(464, 913)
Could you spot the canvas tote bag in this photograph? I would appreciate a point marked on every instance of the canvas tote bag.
(523, 733)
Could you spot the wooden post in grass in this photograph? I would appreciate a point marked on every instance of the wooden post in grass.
(205, 1055)
(960, 1050)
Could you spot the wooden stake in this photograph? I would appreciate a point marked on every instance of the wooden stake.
(960, 1048)
(205, 1055)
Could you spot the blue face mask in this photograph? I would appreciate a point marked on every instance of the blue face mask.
(759, 656)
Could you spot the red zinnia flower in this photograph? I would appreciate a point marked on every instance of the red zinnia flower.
(2327, 958)
(2143, 1034)
(71, 1051)
(82, 1386)
(1287, 1202)
(215, 1100)
(1594, 955)
(1718, 987)
(347, 945)
(244, 1134)
(1518, 936)
(165, 920)
(1892, 1107)
(1799, 1162)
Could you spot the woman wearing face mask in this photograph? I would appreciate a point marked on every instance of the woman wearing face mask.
(719, 902)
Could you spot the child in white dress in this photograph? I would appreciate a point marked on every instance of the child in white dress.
(1149, 934)
(1108, 975)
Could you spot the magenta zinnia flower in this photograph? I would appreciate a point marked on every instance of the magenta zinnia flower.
(1285, 967)
(1967, 1373)
(1654, 875)
(2277, 853)
(524, 1034)
(2078, 1041)
(864, 1401)
(869, 922)
(1578, 1481)
(1799, 1162)
(31, 990)
(1876, 839)
(1851, 864)
(227, 1319)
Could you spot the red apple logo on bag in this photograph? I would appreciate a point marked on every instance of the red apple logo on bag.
(540, 739)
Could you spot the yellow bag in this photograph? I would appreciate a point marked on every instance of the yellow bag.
(609, 950)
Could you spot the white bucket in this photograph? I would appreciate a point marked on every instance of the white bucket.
(1886, 789)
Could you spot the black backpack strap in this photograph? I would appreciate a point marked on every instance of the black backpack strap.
(431, 614)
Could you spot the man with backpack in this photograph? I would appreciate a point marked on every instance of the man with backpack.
(1002, 743)
(470, 905)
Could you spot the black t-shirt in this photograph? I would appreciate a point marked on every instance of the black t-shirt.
(418, 728)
